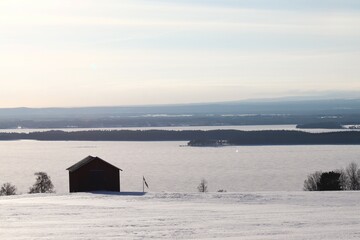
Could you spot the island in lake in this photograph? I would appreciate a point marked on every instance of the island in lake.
(209, 138)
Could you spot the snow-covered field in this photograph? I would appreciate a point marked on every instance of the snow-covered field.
(263, 215)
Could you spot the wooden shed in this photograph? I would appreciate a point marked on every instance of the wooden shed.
(94, 174)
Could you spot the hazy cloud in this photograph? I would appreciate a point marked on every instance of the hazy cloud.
(134, 52)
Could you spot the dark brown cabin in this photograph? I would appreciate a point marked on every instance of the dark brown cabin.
(94, 174)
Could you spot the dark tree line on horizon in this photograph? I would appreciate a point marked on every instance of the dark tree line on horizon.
(232, 137)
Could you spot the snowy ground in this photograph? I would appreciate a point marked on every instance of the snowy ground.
(264, 215)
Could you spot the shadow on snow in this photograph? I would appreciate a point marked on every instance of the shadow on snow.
(119, 193)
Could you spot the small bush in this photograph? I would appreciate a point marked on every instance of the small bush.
(7, 189)
(203, 186)
(221, 190)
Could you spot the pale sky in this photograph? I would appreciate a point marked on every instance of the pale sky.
(129, 52)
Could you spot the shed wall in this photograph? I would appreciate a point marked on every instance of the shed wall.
(97, 175)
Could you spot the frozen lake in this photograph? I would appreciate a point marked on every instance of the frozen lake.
(168, 167)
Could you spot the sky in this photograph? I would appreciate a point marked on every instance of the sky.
(67, 53)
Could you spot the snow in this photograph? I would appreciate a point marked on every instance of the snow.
(258, 215)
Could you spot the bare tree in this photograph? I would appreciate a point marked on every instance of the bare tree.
(352, 172)
(7, 189)
(312, 182)
(344, 180)
(42, 184)
(203, 186)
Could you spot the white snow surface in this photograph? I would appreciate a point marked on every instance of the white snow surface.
(261, 215)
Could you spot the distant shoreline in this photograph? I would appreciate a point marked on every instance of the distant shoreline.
(322, 125)
(201, 138)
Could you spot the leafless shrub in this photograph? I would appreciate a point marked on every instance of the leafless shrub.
(344, 181)
(312, 181)
(7, 189)
(203, 186)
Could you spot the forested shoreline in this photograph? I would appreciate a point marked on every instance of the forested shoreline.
(232, 137)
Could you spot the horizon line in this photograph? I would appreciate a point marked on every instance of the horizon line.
(248, 100)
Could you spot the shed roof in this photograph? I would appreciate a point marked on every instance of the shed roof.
(87, 160)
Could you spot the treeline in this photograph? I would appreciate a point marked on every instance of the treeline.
(232, 137)
(343, 179)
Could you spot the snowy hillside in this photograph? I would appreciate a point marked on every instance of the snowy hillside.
(265, 215)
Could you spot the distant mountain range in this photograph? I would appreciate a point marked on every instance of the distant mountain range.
(250, 112)
(269, 106)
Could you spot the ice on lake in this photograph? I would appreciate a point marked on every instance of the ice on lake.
(169, 167)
